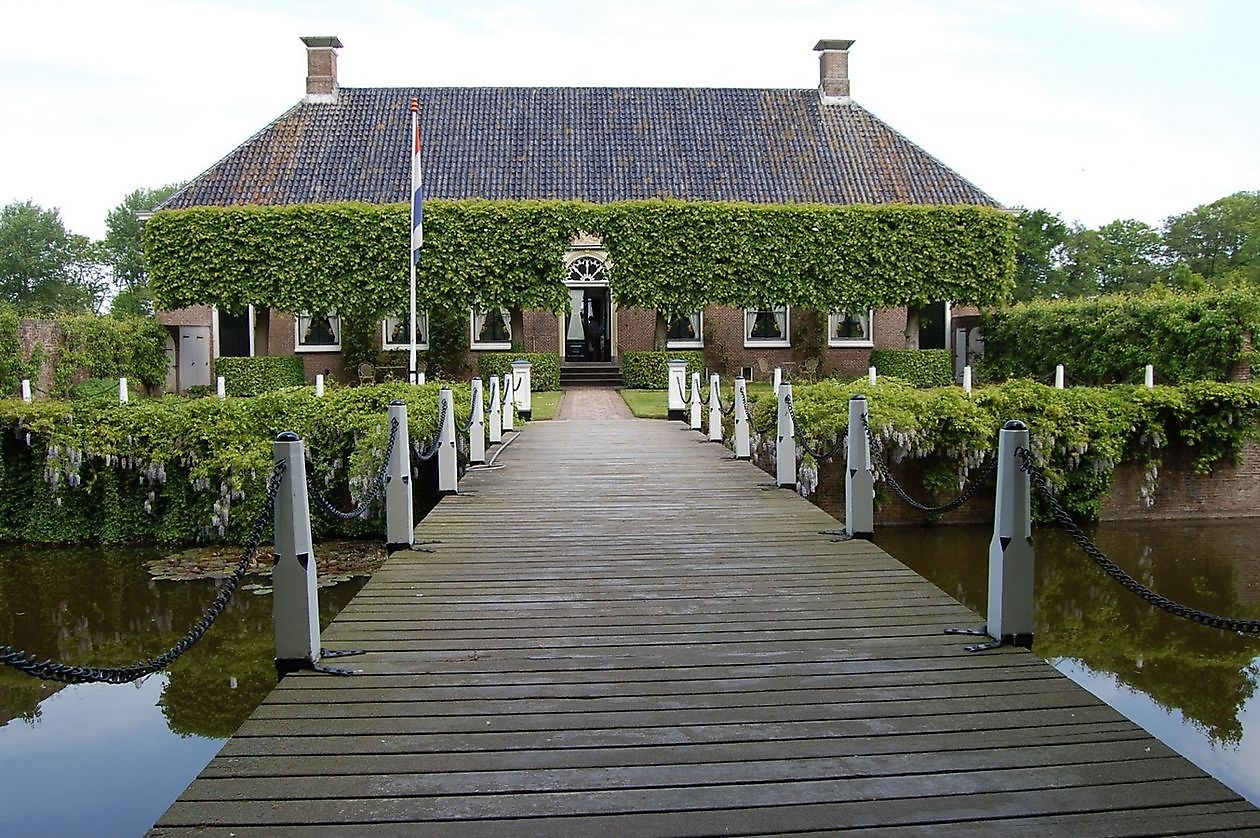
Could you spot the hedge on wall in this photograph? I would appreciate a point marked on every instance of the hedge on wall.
(109, 347)
(649, 370)
(543, 375)
(260, 374)
(921, 367)
(353, 257)
(1111, 339)
(177, 469)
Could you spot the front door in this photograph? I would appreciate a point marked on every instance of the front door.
(587, 332)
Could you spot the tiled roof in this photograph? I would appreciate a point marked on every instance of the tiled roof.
(594, 144)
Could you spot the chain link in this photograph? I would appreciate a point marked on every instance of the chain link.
(50, 670)
(1069, 526)
(799, 435)
(465, 427)
(374, 487)
(877, 452)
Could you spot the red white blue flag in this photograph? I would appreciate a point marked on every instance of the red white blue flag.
(417, 187)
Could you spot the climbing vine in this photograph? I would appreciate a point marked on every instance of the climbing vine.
(669, 255)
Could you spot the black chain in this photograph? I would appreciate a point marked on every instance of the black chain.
(374, 488)
(723, 409)
(472, 413)
(800, 437)
(425, 455)
(968, 493)
(50, 670)
(774, 422)
(1064, 520)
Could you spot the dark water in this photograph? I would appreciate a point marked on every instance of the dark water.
(1193, 687)
(100, 759)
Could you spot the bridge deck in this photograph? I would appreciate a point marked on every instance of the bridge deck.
(621, 632)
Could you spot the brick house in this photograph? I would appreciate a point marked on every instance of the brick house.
(600, 145)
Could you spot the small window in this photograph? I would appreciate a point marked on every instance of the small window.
(845, 328)
(766, 326)
(320, 332)
(394, 332)
(686, 330)
(491, 329)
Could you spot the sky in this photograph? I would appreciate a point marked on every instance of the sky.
(1093, 109)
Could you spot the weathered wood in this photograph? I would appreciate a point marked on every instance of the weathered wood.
(623, 632)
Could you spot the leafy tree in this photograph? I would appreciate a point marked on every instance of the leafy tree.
(42, 266)
(1041, 254)
(124, 247)
(1125, 255)
(1215, 240)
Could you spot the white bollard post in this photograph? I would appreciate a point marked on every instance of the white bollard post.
(294, 601)
(420, 378)
(785, 447)
(521, 384)
(477, 424)
(1058, 377)
(496, 412)
(26, 390)
(509, 410)
(220, 387)
(859, 479)
(675, 381)
(967, 379)
(448, 455)
(696, 413)
(715, 408)
(1010, 615)
(1150, 375)
(870, 375)
(319, 386)
(122, 391)
(399, 516)
(778, 381)
(743, 447)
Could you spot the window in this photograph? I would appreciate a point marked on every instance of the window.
(320, 332)
(686, 330)
(766, 326)
(491, 329)
(394, 331)
(845, 328)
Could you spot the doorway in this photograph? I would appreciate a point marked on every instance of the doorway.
(587, 334)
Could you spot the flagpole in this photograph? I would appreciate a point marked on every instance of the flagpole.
(412, 375)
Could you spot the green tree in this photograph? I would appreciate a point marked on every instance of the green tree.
(43, 267)
(1041, 254)
(124, 247)
(1125, 255)
(1215, 240)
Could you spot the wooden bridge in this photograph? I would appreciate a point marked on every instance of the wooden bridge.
(624, 632)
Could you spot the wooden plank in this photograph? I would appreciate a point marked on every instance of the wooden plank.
(624, 632)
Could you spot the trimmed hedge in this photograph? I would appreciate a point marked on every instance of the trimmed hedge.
(649, 369)
(921, 367)
(544, 375)
(1111, 339)
(260, 374)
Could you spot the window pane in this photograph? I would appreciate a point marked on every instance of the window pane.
(766, 324)
(492, 327)
(850, 326)
(322, 329)
(684, 326)
(396, 329)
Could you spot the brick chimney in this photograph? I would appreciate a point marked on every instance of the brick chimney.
(321, 67)
(833, 70)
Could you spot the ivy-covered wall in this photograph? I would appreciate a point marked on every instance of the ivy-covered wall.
(670, 255)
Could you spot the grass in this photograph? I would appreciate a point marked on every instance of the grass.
(545, 403)
(654, 404)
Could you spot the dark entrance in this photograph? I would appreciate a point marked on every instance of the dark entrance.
(587, 331)
(932, 327)
(234, 334)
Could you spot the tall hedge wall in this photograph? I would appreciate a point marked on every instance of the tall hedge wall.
(1111, 339)
(544, 374)
(353, 256)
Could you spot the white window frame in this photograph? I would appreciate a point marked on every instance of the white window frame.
(389, 323)
(833, 317)
(488, 345)
(686, 343)
(298, 328)
(768, 343)
(253, 324)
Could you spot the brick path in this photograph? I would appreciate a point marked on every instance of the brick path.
(592, 403)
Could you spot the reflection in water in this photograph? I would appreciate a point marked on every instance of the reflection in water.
(109, 759)
(1191, 686)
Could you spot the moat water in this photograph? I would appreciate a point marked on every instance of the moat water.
(108, 760)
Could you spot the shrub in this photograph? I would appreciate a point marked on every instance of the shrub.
(649, 370)
(109, 347)
(260, 374)
(544, 375)
(921, 367)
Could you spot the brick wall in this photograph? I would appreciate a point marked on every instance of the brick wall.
(46, 335)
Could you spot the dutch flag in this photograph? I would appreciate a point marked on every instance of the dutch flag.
(417, 187)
